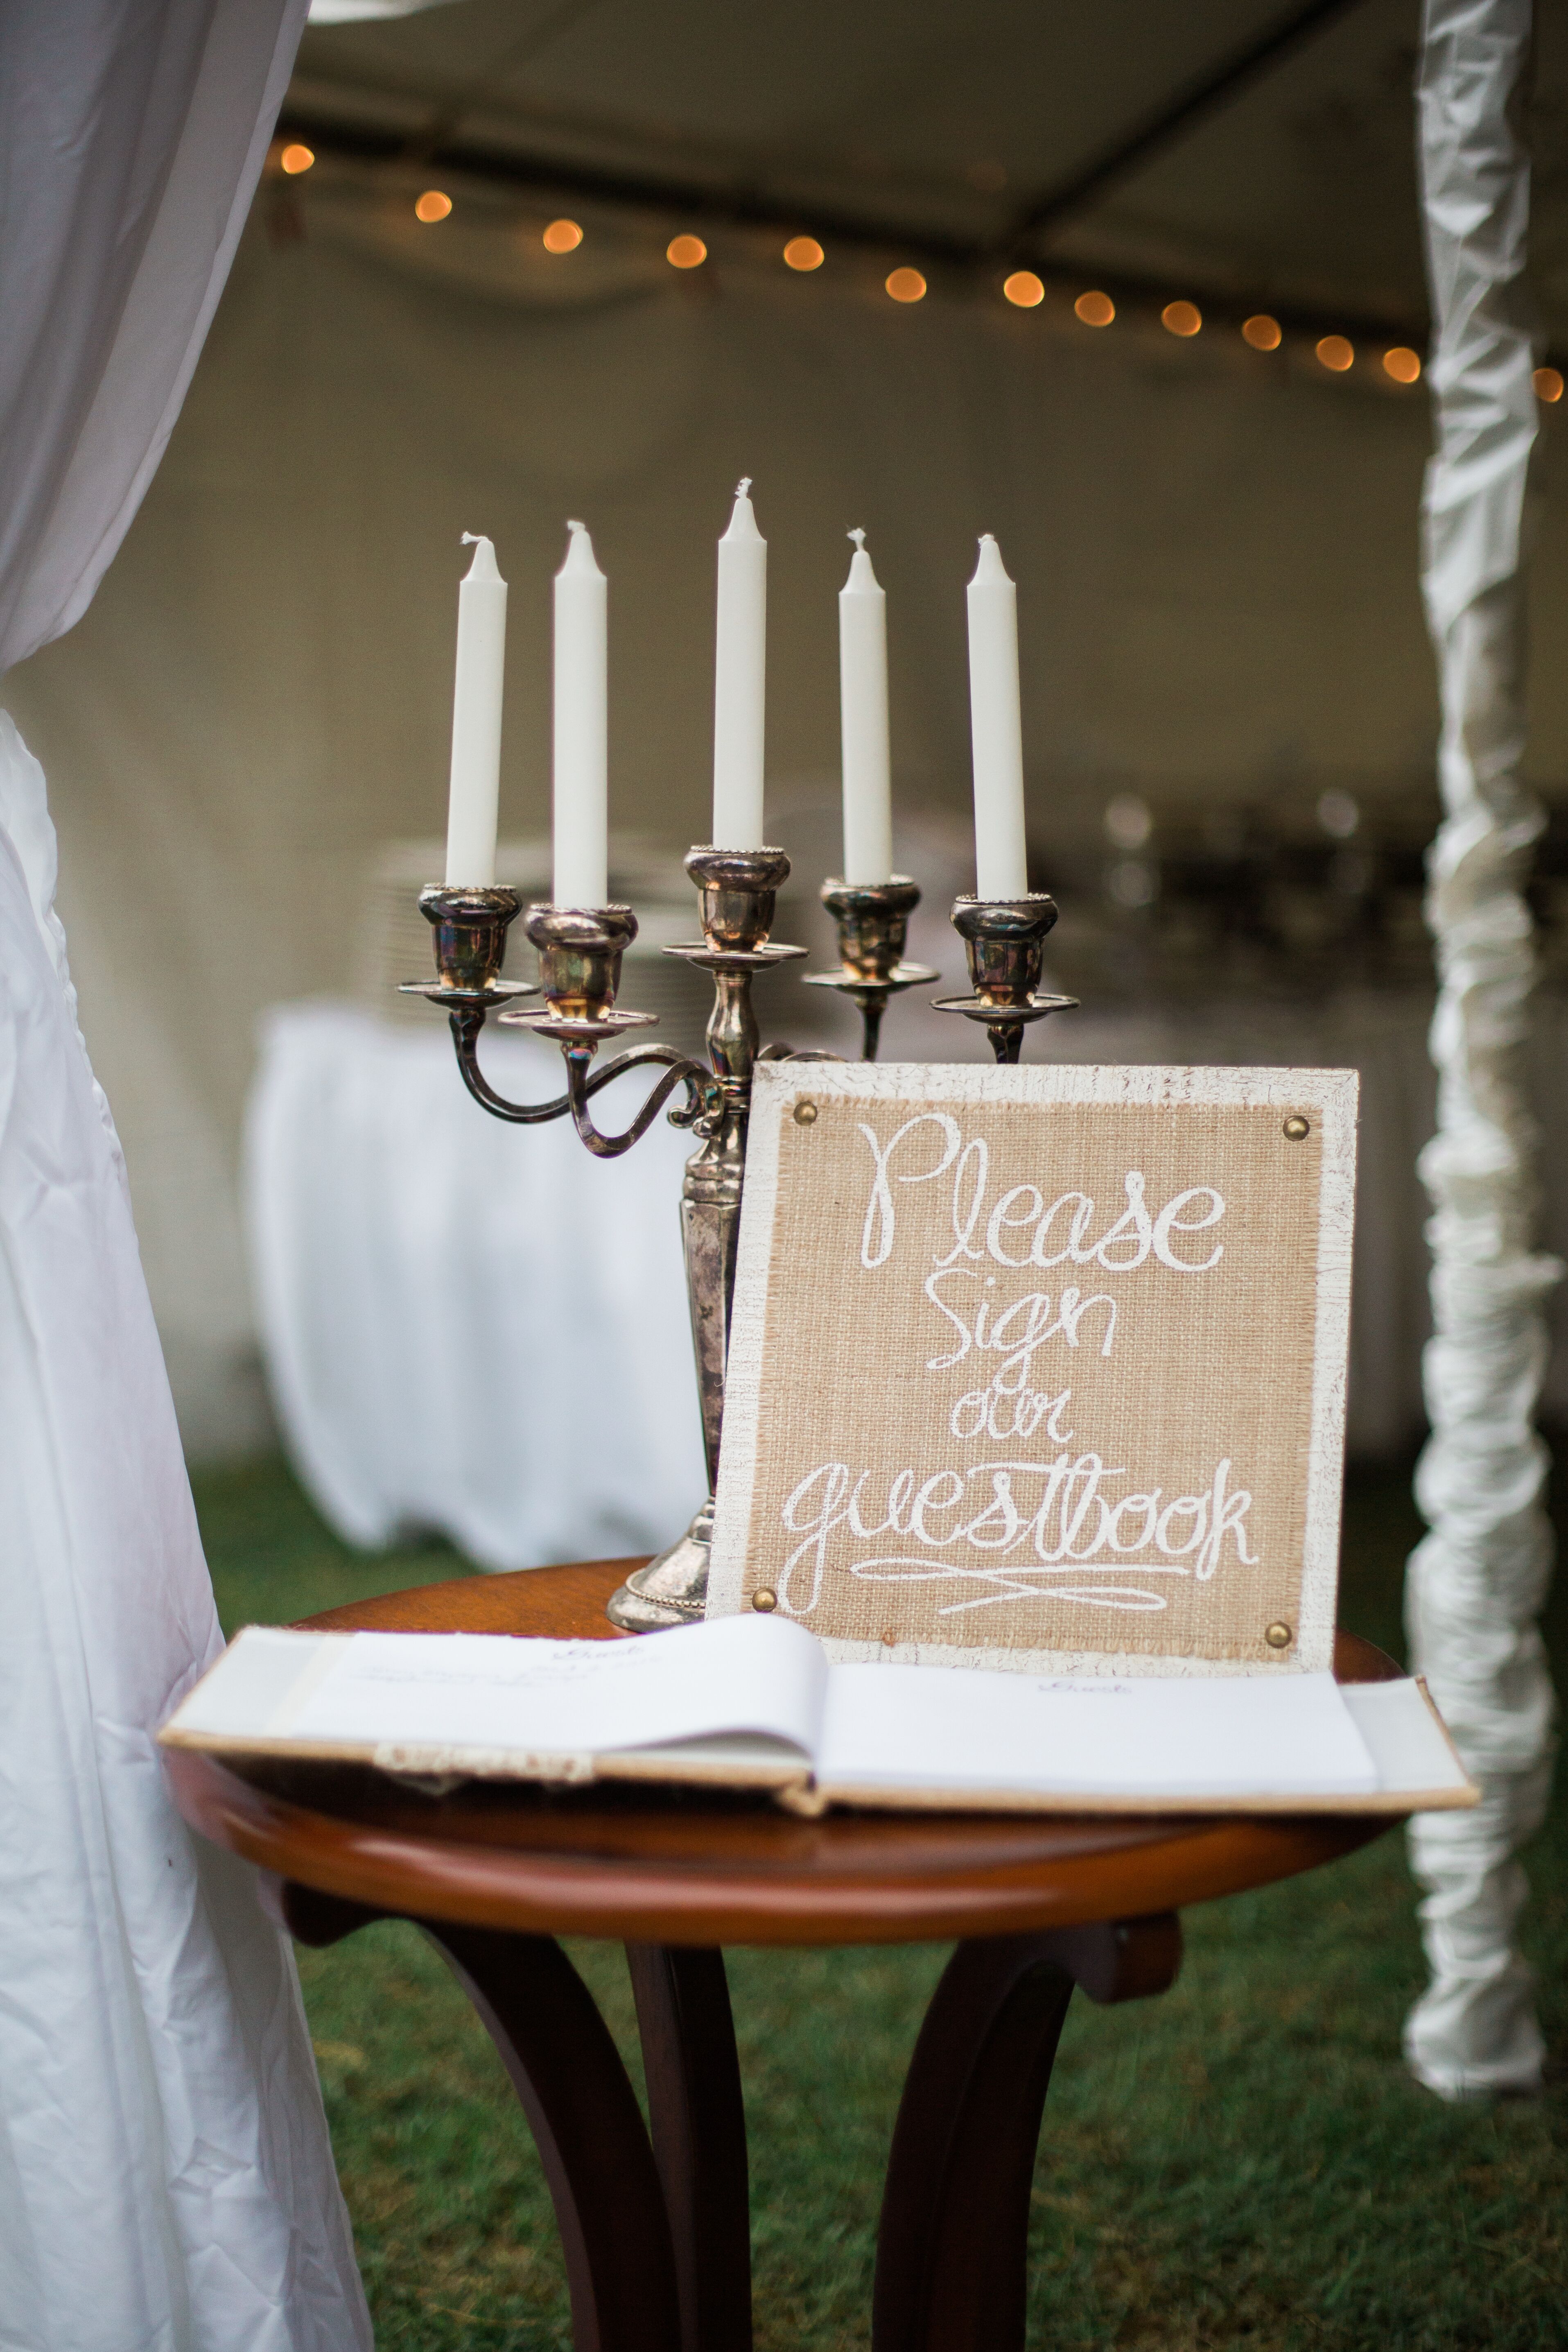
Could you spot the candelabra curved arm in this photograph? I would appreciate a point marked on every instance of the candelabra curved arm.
(702, 1092)
(701, 1110)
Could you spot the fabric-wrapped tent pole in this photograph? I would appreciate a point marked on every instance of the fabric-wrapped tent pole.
(1476, 1582)
(166, 2180)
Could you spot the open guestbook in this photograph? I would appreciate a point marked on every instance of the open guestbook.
(1029, 1494)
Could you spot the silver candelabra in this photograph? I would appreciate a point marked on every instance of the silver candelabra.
(580, 950)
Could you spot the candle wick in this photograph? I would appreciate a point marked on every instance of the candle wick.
(743, 485)
(859, 538)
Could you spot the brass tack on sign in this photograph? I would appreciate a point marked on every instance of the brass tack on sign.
(1278, 1635)
(1296, 1128)
(764, 1599)
(804, 1112)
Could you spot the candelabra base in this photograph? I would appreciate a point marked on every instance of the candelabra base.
(672, 1589)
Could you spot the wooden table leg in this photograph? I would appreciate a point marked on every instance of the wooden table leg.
(582, 2109)
(699, 2138)
(952, 2245)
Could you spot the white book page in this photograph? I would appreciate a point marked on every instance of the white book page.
(1165, 1739)
(1405, 1739)
(499, 1691)
(262, 1669)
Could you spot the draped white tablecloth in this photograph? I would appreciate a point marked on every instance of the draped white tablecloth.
(468, 1327)
(477, 1329)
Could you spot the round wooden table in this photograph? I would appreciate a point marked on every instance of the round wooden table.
(656, 2225)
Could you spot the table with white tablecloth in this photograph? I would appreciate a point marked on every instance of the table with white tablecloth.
(478, 1329)
(467, 1327)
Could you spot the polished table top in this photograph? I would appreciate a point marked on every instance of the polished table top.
(706, 1868)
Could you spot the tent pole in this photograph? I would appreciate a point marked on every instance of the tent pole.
(1476, 1583)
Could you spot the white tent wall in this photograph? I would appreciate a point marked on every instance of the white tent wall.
(1217, 557)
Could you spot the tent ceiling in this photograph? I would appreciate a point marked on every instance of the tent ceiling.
(941, 126)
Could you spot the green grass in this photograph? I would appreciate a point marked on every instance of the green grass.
(1244, 2162)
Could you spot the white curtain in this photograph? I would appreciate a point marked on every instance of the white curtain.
(1477, 1581)
(166, 2182)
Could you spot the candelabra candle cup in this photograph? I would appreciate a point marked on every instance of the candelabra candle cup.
(739, 891)
(470, 925)
(580, 951)
(873, 919)
(1004, 941)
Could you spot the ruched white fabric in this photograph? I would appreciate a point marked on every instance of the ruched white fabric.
(1476, 1582)
(166, 2182)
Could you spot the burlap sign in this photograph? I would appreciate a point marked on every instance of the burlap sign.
(1042, 1367)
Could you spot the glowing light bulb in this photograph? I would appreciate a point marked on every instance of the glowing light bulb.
(1335, 353)
(804, 253)
(686, 252)
(296, 158)
(432, 206)
(1548, 384)
(1402, 364)
(1262, 332)
(1024, 289)
(1094, 310)
(906, 286)
(562, 237)
(1181, 318)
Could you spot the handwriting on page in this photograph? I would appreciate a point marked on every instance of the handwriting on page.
(481, 1662)
(1062, 1520)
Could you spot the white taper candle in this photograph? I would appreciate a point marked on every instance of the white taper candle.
(580, 769)
(863, 721)
(739, 680)
(476, 718)
(1001, 861)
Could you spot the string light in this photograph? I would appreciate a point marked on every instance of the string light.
(1024, 288)
(1548, 384)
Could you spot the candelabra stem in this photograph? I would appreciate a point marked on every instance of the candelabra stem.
(738, 889)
